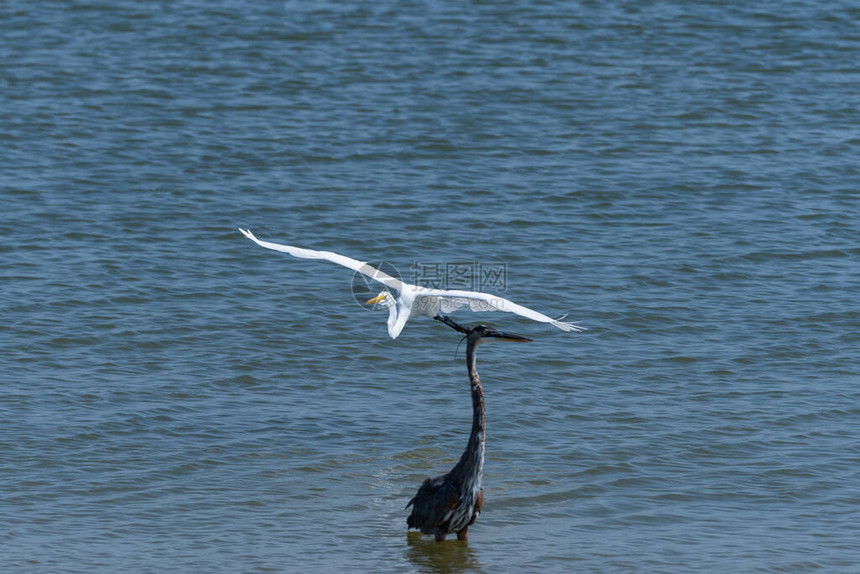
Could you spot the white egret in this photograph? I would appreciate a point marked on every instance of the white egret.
(414, 300)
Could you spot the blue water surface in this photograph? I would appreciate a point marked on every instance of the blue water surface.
(680, 178)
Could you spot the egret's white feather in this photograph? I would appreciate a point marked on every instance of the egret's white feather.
(416, 300)
(354, 264)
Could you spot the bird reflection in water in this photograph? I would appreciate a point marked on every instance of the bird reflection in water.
(427, 556)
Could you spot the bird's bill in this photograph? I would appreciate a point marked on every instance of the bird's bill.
(508, 337)
(376, 299)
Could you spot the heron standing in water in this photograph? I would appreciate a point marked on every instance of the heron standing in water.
(450, 503)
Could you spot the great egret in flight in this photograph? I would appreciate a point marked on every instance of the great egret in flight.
(450, 503)
(414, 300)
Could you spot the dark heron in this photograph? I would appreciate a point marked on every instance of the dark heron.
(451, 502)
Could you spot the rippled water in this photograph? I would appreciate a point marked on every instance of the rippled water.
(682, 179)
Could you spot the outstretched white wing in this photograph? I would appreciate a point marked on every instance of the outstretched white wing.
(354, 264)
(448, 301)
(476, 301)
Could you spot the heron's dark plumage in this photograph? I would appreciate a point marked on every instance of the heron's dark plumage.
(450, 503)
(435, 498)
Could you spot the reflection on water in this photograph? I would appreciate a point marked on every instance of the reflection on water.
(448, 556)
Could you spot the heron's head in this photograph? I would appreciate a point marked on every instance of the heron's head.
(482, 334)
(384, 300)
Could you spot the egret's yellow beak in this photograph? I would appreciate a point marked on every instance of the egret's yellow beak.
(376, 299)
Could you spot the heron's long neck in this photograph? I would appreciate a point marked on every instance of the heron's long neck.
(472, 462)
